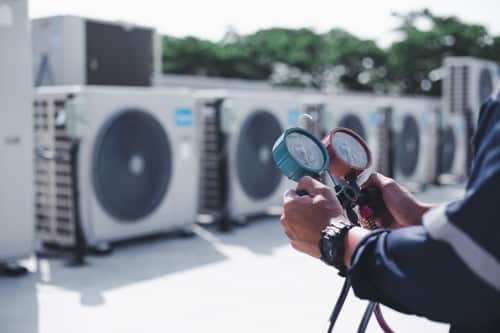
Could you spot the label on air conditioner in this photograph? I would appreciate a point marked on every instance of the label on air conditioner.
(184, 117)
(373, 119)
(293, 117)
(423, 119)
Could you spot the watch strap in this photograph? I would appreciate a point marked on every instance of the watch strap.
(331, 244)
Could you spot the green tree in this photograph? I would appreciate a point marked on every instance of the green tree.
(299, 48)
(357, 64)
(337, 58)
(189, 55)
(413, 59)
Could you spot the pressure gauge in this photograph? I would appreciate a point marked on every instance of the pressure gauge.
(298, 153)
(349, 153)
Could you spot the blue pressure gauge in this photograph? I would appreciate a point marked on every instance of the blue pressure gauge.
(298, 153)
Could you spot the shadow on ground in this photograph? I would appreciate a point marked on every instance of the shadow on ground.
(131, 262)
(261, 235)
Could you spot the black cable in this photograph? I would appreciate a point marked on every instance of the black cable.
(338, 306)
(366, 317)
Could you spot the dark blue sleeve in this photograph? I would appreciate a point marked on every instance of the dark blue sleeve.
(418, 270)
(410, 272)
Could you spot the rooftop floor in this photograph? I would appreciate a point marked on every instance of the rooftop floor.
(246, 281)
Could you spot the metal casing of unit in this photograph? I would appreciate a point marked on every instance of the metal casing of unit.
(16, 133)
(454, 146)
(361, 113)
(72, 50)
(416, 131)
(252, 122)
(315, 105)
(467, 83)
(89, 115)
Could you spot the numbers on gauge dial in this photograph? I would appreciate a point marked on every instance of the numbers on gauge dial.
(350, 150)
(305, 151)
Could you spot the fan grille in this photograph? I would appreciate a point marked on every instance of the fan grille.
(353, 122)
(256, 170)
(447, 152)
(132, 165)
(408, 146)
(485, 85)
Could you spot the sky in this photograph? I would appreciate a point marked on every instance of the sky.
(211, 19)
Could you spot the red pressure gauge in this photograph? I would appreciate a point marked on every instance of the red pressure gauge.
(349, 153)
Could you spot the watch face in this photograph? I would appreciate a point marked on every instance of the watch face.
(350, 150)
(332, 244)
(327, 250)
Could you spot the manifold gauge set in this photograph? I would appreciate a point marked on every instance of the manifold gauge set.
(343, 155)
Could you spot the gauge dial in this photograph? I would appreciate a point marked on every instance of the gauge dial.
(350, 150)
(305, 151)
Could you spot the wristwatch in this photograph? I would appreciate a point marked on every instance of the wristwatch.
(331, 244)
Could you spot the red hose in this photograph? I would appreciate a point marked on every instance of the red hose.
(381, 320)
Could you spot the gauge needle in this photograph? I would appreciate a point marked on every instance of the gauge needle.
(302, 153)
(346, 152)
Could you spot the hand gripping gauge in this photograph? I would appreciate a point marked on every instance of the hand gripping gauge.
(344, 155)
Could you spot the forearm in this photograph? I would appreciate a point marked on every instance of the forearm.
(421, 209)
(408, 271)
(353, 238)
(356, 234)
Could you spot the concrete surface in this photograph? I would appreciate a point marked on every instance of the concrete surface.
(246, 281)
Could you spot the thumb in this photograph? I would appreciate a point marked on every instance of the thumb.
(290, 195)
(376, 180)
(312, 186)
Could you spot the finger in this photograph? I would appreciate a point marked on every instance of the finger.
(373, 180)
(312, 186)
(381, 224)
(289, 234)
(291, 198)
(376, 180)
(286, 228)
(290, 195)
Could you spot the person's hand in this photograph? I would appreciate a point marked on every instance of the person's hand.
(403, 208)
(304, 217)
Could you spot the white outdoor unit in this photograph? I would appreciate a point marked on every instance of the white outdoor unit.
(361, 113)
(467, 83)
(71, 50)
(416, 128)
(16, 133)
(316, 106)
(135, 170)
(240, 177)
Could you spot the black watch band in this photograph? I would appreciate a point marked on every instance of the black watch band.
(331, 244)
